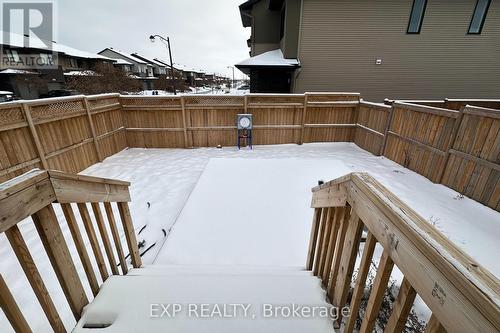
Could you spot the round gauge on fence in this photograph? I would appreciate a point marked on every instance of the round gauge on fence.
(245, 122)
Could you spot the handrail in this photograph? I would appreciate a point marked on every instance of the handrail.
(462, 295)
(34, 194)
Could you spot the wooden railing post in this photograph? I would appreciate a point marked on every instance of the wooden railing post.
(386, 131)
(313, 239)
(401, 308)
(116, 237)
(128, 227)
(339, 248)
(57, 250)
(319, 240)
(20, 248)
(348, 258)
(334, 229)
(80, 247)
(92, 128)
(89, 228)
(434, 326)
(378, 290)
(11, 309)
(34, 136)
(359, 288)
(104, 237)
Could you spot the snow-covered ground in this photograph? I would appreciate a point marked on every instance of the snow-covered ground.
(198, 91)
(163, 179)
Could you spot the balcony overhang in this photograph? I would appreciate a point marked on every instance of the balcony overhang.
(268, 60)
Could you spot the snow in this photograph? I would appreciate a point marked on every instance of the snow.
(126, 55)
(165, 178)
(270, 58)
(120, 61)
(81, 73)
(248, 212)
(157, 63)
(17, 71)
(169, 175)
(191, 290)
(18, 40)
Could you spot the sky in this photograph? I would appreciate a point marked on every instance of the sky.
(204, 34)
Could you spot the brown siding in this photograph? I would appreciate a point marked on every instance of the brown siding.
(340, 41)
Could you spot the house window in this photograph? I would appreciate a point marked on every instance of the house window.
(416, 16)
(477, 22)
(73, 63)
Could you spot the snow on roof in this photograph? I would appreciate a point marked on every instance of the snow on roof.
(128, 56)
(273, 58)
(4, 92)
(17, 40)
(122, 62)
(81, 73)
(153, 61)
(17, 71)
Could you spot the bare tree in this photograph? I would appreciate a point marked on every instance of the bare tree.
(104, 78)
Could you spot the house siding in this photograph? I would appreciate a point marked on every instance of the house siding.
(340, 41)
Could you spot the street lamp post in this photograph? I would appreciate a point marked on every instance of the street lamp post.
(232, 67)
(166, 41)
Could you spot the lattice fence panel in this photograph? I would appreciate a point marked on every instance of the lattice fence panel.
(11, 115)
(214, 100)
(56, 109)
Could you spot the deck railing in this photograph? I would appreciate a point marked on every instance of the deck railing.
(33, 195)
(462, 296)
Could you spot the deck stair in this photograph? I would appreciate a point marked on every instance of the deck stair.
(222, 291)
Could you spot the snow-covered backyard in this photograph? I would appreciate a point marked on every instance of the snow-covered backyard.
(211, 206)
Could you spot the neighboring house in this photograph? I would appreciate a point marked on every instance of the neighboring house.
(141, 70)
(139, 67)
(158, 67)
(28, 80)
(124, 65)
(399, 49)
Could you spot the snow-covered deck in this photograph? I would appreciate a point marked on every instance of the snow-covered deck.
(249, 208)
(166, 177)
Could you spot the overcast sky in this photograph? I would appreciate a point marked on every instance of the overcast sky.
(205, 34)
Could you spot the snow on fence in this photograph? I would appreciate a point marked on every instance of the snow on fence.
(447, 141)
(462, 296)
(34, 194)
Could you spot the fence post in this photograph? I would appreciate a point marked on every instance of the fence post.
(454, 134)
(184, 123)
(386, 131)
(304, 114)
(34, 135)
(92, 128)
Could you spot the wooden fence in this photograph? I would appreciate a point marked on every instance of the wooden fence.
(449, 141)
(207, 121)
(68, 134)
(462, 295)
(457, 148)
